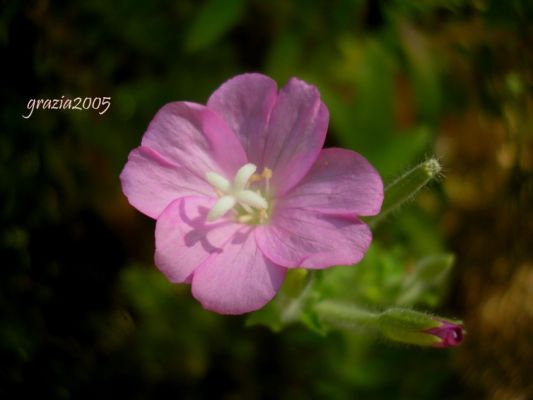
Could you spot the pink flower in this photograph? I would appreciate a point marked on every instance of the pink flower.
(242, 190)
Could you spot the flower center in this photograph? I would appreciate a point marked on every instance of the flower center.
(243, 195)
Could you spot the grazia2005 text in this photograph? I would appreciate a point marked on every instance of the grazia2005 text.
(100, 104)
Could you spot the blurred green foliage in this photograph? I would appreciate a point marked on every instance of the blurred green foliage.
(83, 310)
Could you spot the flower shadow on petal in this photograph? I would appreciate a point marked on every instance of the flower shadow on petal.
(200, 230)
(241, 236)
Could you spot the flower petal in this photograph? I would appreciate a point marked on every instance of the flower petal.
(296, 134)
(245, 102)
(239, 279)
(151, 182)
(195, 137)
(184, 239)
(340, 182)
(283, 132)
(304, 238)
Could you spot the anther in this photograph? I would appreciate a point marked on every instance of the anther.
(267, 173)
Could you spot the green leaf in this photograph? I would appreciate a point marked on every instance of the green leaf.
(215, 19)
(268, 316)
(423, 67)
(426, 281)
(362, 107)
(292, 304)
(283, 57)
(371, 111)
(375, 281)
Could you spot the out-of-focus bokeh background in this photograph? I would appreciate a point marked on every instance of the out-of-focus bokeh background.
(85, 313)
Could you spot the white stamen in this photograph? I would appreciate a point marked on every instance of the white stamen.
(218, 181)
(221, 207)
(252, 199)
(231, 193)
(243, 175)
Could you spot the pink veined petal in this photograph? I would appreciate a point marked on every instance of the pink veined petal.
(282, 131)
(296, 133)
(184, 239)
(340, 182)
(239, 279)
(151, 182)
(304, 238)
(245, 102)
(195, 137)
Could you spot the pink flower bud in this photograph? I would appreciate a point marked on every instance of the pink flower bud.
(450, 333)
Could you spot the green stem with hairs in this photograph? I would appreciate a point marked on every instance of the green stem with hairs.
(404, 188)
(396, 324)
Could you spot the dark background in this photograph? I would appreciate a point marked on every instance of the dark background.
(84, 312)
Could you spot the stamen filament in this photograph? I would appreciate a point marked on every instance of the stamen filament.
(245, 218)
(267, 175)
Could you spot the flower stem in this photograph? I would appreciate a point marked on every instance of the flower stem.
(346, 315)
(396, 324)
(406, 187)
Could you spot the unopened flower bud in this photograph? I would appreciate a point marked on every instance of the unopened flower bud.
(414, 327)
(450, 333)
